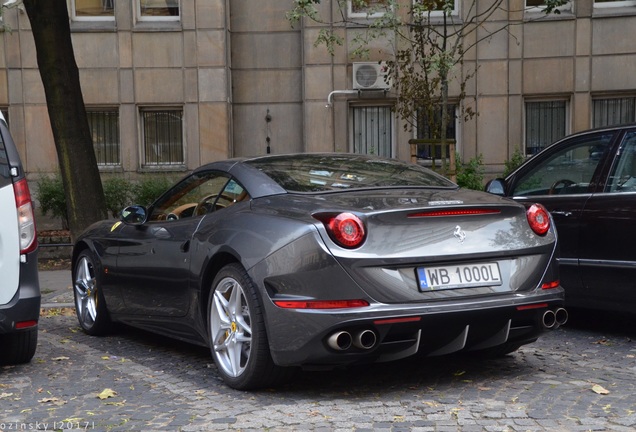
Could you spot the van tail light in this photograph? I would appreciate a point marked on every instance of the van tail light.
(26, 219)
(345, 229)
(538, 218)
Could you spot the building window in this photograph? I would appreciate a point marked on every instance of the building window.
(538, 6)
(104, 125)
(366, 8)
(93, 10)
(158, 10)
(613, 3)
(5, 114)
(429, 129)
(162, 138)
(436, 7)
(545, 123)
(373, 130)
(616, 111)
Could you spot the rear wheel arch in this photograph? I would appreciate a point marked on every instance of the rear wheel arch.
(236, 324)
(214, 266)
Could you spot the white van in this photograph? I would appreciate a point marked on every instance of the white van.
(19, 284)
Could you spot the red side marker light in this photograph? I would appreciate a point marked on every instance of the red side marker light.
(551, 284)
(321, 304)
(533, 306)
(25, 324)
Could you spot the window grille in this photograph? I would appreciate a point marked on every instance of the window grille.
(163, 137)
(373, 130)
(104, 126)
(616, 111)
(545, 123)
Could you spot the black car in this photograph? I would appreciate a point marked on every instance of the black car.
(588, 183)
(19, 286)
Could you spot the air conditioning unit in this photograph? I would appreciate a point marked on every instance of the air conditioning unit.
(370, 76)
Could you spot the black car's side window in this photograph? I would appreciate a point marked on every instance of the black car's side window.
(623, 175)
(567, 171)
(194, 196)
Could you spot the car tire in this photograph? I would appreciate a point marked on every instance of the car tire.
(90, 306)
(238, 337)
(18, 347)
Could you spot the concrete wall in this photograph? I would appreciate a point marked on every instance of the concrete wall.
(232, 65)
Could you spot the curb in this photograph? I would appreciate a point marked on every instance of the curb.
(56, 305)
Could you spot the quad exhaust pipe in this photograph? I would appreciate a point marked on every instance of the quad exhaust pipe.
(343, 340)
(553, 319)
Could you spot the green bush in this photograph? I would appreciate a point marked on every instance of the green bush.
(150, 188)
(514, 162)
(118, 193)
(470, 175)
(50, 195)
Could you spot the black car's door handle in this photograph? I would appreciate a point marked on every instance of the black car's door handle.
(185, 246)
(562, 213)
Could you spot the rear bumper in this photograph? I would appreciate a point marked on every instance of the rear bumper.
(400, 332)
(25, 305)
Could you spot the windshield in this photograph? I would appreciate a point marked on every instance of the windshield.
(323, 173)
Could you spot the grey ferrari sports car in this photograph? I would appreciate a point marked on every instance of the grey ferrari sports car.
(322, 260)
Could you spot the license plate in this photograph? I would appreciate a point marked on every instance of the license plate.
(458, 276)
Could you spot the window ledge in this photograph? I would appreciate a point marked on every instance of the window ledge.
(93, 26)
(158, 26)
(110, 168)
(618, 11)
(162, 168)
(539, 16)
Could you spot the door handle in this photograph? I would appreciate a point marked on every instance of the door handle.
(562, 213)
(185, 246)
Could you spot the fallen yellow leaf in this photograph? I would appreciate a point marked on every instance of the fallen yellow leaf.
(599, 389)
(107, 393)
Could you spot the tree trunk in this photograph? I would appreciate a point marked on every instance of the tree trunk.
(67, 113)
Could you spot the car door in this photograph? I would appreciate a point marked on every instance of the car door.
(607, 257)
(153, 265)
(563, 178)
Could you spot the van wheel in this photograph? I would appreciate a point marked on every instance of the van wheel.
(18, 347)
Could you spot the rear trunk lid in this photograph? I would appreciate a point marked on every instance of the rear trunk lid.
(9, 237)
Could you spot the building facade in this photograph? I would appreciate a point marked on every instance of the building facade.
(172, 84)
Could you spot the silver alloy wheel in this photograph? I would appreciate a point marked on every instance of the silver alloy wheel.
(231, 327)
(86, 292)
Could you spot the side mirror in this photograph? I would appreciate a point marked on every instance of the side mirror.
(134, 215)
(496, 187)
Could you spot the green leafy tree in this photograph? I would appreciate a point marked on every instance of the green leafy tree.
(429, 44)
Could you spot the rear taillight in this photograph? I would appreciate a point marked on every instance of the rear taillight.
(538, 218)
(26, 220)
(346, 229)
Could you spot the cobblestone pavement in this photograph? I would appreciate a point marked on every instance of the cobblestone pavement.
(577, 378)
